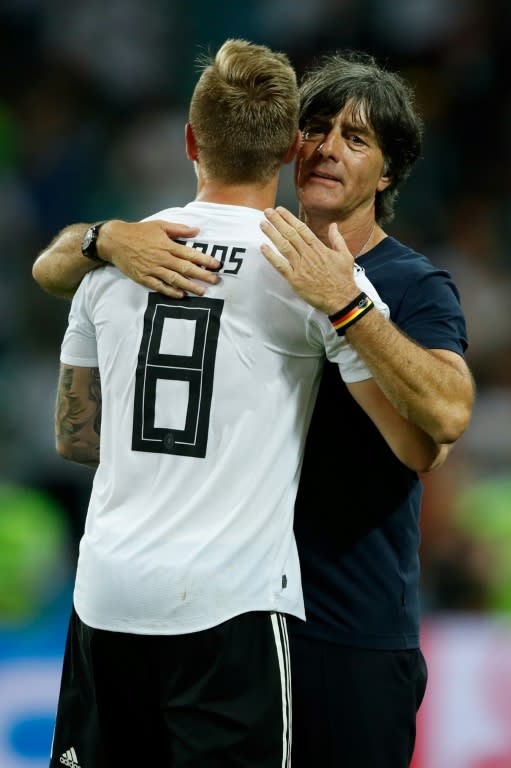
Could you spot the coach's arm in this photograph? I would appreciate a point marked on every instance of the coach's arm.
(432, 389)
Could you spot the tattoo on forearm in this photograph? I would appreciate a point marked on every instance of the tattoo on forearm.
(71, 417)
(76, 421)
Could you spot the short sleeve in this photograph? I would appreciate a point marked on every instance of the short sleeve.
(79, 344)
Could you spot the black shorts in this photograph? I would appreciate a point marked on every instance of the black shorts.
(218, 698)
(353, 707)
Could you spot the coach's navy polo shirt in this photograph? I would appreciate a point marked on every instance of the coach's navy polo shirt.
(357, 510)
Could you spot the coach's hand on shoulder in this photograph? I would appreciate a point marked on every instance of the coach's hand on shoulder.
(147, 253)
(322, 276)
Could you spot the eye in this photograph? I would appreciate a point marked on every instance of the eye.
(314, 132)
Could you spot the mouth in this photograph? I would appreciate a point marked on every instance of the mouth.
(322, 176)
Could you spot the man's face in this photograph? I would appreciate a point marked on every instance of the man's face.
(339, 167)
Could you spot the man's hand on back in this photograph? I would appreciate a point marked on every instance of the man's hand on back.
(147, 253)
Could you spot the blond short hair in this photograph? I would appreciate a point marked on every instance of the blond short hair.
(244, 112)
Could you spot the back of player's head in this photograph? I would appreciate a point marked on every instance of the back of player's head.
(375, 94)
(244, 112)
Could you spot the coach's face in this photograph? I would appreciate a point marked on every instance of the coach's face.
(340, 166)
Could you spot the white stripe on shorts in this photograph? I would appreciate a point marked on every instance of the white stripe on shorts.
(279, 625)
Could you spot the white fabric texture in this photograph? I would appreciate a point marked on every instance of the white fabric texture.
(351, 365)
(190, 520)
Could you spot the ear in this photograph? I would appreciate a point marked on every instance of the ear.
(383, 183)
(294, 148)
(192, 152)
(385, 178)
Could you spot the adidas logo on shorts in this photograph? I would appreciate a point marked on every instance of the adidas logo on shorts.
(70, 759)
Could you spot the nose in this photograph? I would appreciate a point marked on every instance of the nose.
(329, 147)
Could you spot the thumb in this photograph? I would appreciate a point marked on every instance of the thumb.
(337, 241)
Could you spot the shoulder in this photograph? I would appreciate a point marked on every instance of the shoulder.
(166, 214)
(398, 271)
(391, 257)
(423, 299)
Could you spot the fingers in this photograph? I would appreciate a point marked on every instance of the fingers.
(283, 235)
(174, 286)
(181, 278)
(286, 216)
(291, 229)
(334, 235)
(185, 255)
(190, 263)
(145, 252)
(337, 240)
(284, 227)
(155, 243)
(279, 241)
(276, 260)
(154, 284)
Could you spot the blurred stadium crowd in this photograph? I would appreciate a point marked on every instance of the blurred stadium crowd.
(92, 110)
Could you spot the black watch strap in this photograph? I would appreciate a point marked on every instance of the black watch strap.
(89, 242)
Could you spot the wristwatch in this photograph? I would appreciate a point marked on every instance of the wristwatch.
(89, 247)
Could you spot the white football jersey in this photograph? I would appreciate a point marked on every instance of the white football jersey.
(206, 403)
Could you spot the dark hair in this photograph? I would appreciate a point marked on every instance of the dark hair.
(380, 97)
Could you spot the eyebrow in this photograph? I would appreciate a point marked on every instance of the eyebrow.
(352, 125)
(348, 124)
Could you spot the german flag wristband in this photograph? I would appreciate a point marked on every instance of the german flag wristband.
(351, 313)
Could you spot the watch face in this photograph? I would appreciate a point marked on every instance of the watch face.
(88, 238)
(89, 242)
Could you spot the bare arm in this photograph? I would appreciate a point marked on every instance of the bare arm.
(432, 389)
(144, 251)
(60, 267)
(78, 415)
(410, 444)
